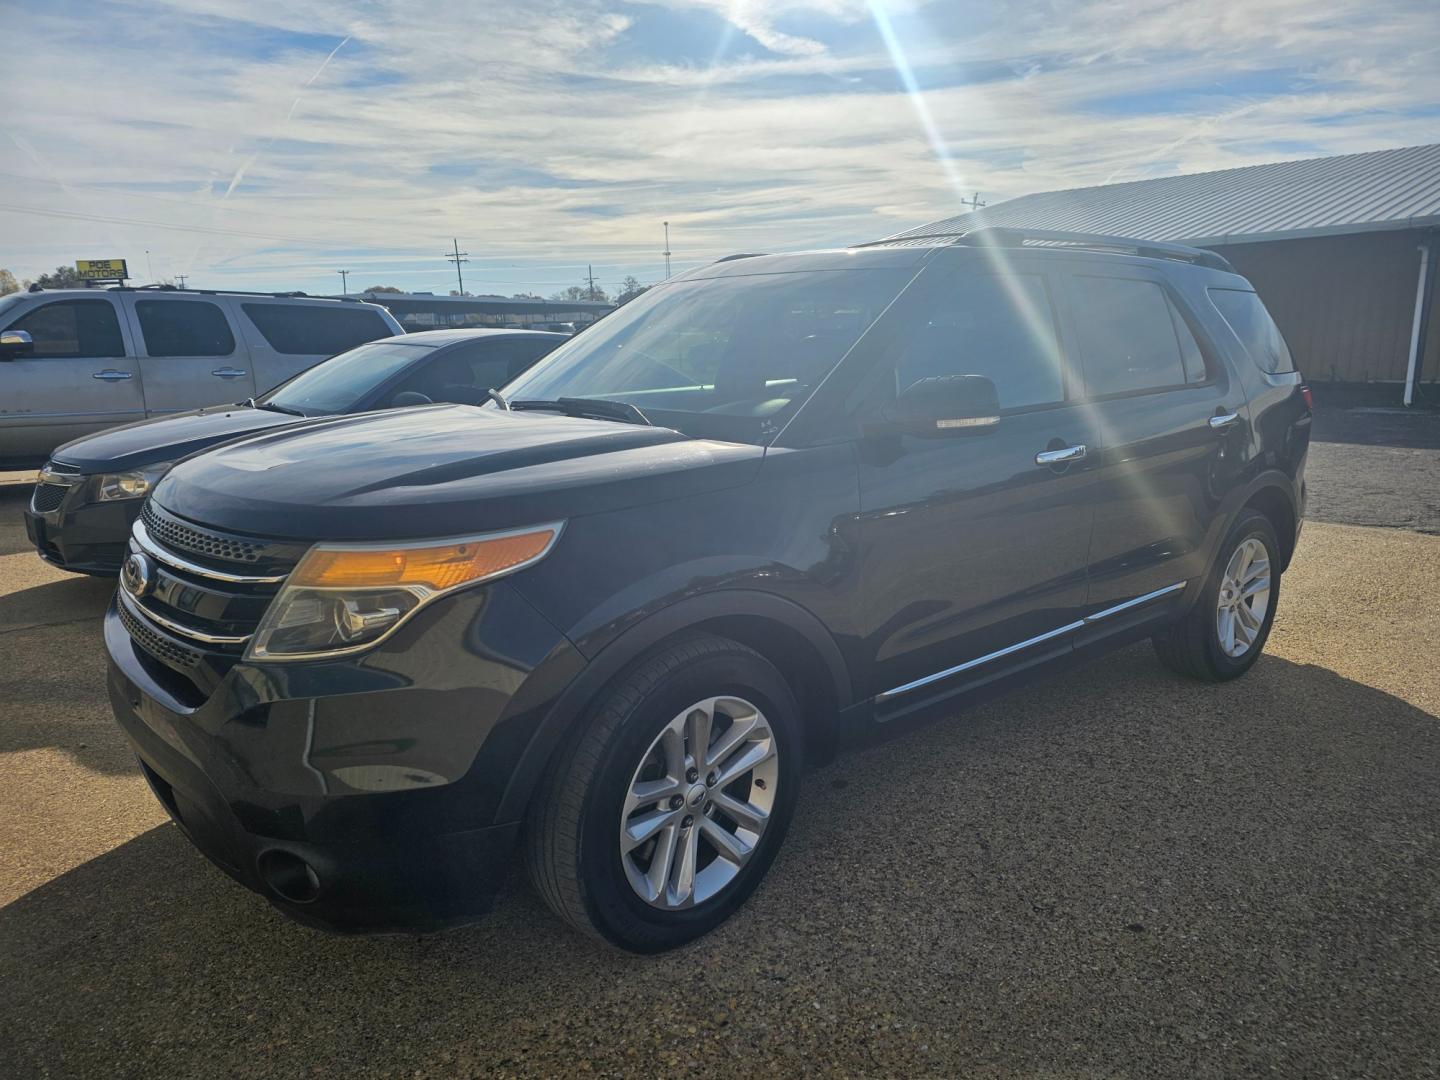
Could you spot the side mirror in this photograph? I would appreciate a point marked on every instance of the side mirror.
(946, 405)
(15, 343)
(407, 398)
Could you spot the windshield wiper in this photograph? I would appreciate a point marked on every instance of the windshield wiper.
(280, 408)
(595, 408)
(499, 398)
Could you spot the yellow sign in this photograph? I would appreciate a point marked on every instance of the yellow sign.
(102, 269)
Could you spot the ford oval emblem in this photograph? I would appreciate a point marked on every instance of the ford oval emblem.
(138, 574)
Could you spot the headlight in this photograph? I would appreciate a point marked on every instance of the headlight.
(130, 485)
(342, 598)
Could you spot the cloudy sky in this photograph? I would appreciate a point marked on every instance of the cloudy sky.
(267, 145)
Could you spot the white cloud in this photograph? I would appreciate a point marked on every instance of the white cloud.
(551, 135)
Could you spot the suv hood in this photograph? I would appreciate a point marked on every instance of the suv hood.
(442, 471)
(166, 438)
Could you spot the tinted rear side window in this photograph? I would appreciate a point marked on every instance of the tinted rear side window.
(1002, 329)
(1127, 335)
(73, 328)
(310, 329)
(1255, 329)
(184, 328)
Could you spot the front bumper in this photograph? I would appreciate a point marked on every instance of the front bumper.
(370, 807)
(81, 536)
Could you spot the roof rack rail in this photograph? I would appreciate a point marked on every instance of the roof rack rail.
(1005, 236)
(166, 287)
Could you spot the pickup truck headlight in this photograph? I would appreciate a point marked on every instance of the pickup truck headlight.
(342, 598)
(135, 484)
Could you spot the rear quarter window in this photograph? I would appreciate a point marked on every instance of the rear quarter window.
(1246, 315)
(315, 330)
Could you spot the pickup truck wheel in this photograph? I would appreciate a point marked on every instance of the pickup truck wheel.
(1222, 635)
(663, 816)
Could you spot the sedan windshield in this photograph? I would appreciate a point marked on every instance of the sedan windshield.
(728, 358)
(339, 384)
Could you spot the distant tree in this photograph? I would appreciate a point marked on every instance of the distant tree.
(64, 277)
(8, 284)
(457, 292)
(384, 288)
(629, 290)
(527, 296)
(581, 292)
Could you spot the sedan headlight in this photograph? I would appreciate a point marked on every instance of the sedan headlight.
(130, 485)
(342, 598)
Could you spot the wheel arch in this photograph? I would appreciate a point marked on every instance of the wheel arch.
(1275, 503)
(786, 634)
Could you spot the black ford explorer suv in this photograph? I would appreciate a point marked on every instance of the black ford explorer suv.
(766, 510)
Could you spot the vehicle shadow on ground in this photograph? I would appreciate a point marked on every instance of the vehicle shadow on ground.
(52, 675)
(1119, 871)
(14, 498)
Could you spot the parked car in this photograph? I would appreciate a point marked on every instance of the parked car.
(771, 508)
(89, 494)
(76, 361)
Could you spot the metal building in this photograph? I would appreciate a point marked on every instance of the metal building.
(427, 311)
(1342, 249)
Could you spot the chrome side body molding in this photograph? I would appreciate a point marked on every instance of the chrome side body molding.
(1049, 635)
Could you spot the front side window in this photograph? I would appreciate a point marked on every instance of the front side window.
(315, 329)
(339, 384)
(184, 328)
(999, 327)
(1246, 315)
(73, 328)
(727, 357)
(1127, 335)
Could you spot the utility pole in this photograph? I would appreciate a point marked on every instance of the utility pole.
(667, 251)
(344, 282)
(590, 270)
(181, 278)
(457, 258)
(149, 270)
(973, 202)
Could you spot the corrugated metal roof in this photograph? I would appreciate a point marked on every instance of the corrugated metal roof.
(1386, 189)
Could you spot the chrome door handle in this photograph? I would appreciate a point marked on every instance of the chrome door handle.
(111, 375)
(1060, 457)
(1224, 420)
(228, 373)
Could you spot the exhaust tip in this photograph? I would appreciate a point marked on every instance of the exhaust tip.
(289, 876)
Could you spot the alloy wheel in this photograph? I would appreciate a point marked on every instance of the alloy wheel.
(1244, 598)
(699, 802)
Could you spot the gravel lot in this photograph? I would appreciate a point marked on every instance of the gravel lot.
(1113, 873)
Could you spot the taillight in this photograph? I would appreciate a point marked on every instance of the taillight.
(1309, 398)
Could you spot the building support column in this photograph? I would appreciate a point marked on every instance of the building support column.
(1419, 329)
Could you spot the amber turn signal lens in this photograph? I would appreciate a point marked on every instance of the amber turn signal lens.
(441, 567)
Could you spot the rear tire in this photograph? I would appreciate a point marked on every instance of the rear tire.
(1203, 644)
(635, 764)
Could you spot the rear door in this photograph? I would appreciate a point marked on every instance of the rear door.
(1172, 427)
(285, 337)
(190, 354)
(81, 377)
(973, 551)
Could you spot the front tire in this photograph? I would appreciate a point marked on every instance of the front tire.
(663, 816)
(1223, 634)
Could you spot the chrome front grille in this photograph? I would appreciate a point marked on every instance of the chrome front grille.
(198, 592)
(175, 534)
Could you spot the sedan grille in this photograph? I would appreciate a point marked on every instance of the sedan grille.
(47, 497)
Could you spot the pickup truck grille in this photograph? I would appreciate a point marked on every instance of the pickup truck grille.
(191, 596)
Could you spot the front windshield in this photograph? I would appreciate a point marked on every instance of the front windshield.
(337, 385)
(728, 358)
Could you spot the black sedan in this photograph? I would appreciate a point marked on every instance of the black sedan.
(90, 492)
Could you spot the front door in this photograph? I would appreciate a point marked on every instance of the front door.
(189, 354)
(973, 552)
(80, 378)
